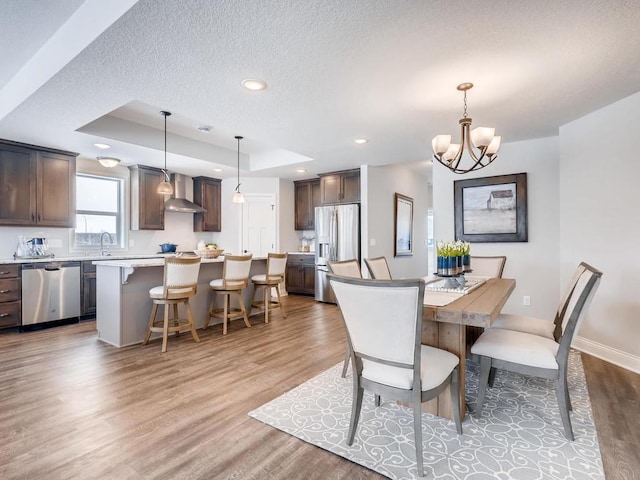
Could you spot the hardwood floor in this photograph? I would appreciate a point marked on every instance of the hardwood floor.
(74, 407)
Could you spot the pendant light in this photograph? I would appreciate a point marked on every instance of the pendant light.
(237, 196)
(165, 187)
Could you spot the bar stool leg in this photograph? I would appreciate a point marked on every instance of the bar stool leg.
(176, 318)
(244, 310)
(187, 307)
(165, 329)
(226, 314)
(280, 301)
(152, 317)
(267, 302)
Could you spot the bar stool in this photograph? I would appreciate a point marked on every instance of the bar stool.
(180, 282)
(235, 278)
(276, 265)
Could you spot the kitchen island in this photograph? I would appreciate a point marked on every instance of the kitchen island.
(122, 295)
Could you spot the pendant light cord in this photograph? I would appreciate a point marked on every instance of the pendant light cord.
(238, 185)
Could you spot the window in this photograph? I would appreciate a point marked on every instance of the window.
(99, 209)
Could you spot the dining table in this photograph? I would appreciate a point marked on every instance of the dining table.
(445, 327)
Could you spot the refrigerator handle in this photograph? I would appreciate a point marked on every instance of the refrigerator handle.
(333, 236)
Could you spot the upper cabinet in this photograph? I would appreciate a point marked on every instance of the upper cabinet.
(37, 185)
(307, 198)
(207, 192)
(147, 205)
(340, 187)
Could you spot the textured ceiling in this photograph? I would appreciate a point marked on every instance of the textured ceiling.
(336, 70)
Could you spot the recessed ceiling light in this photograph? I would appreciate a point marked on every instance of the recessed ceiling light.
(254, 84)
(103, 146)
(204, 128)
(301, 170)
(217, 169)
(360, 141)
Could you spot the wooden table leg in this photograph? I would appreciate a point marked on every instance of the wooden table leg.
(452, 338)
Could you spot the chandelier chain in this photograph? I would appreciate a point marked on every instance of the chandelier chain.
(464, 114)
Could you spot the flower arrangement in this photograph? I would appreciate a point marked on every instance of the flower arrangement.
(453, 257)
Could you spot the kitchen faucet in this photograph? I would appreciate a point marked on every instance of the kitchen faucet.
(102, 250)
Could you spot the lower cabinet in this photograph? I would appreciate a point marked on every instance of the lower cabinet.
(88, 286)
(301, 274)
(10, 296)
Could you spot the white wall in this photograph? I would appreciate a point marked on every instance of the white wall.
(379, 184)
(599, 172)
(534, 264)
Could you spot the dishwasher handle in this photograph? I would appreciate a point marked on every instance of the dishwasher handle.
(52, 268)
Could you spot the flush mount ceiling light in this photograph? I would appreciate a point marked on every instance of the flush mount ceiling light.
(102, 146)
(165, 187)
(449, 154)
(254, 84)
(301, 170)
(217, 170)
(360, 141)
(108, 162)
(238, 197)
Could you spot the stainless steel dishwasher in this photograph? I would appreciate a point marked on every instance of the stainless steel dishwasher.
(50, 291)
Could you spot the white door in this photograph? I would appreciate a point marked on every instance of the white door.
(258, 225)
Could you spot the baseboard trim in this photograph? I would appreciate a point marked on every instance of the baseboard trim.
(608, 354)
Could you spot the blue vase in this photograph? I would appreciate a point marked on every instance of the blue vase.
(466, 263)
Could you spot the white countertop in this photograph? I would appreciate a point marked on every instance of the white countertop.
(151, 262)
(81, 257)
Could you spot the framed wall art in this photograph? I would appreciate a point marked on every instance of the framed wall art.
(491, 209)
(403, 226)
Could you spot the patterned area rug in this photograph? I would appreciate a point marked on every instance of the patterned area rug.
(519, 436)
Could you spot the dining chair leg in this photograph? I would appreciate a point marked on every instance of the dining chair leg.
(485, 369)
(356, 406)
(194, 334)
(417, 432)
(152, 318)
(165, 328)
(454, 386)
(377, 400)
(345, 365)
(492, 377)
(560, 384)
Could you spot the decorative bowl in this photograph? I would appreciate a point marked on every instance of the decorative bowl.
(168, 247)
(209, 253)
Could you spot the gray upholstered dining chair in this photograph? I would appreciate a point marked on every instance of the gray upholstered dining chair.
(378, 268)
(383, 319)
(485, 267)
(346, 268)
(536, 355)
(540, 326)
(491, 267)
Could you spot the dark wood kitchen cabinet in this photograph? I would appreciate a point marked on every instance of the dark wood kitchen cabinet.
(10, 296)
(301, 274)
(207, 192)
(37, 185)
(340, 187)
(307, 198)
(88, 288)
(147, 205)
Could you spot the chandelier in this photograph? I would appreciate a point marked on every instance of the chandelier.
(482, 138)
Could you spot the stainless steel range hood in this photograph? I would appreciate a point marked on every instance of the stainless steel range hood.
(178, 202)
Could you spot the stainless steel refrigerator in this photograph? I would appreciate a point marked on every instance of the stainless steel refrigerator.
(337, 238)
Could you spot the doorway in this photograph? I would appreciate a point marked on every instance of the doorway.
(258, 229)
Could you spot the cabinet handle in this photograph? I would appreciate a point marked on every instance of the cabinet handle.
(4, 273)
(5, 291)
(33, 217)
(2, 315)
(38, 217)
